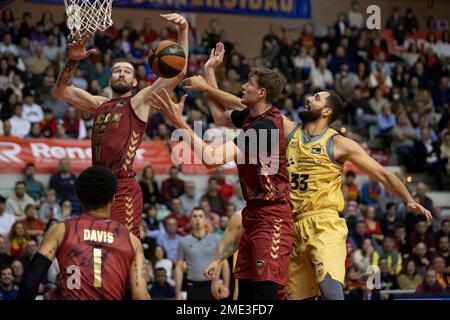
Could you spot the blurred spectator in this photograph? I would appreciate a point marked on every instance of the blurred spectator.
(421, 234)
(79, 79)
(17, 269)
(350, 188)
(400, 238)
(372, 226)
(409, 279)
(363, 292)
(391, 220)
(154, 226)
(18, 239)
(18, 201)
(321, 76)
(445, 229)
(216, 202)
(7, 46)
(358, 236)
(444, 251)
(388, 276)
(35, 131)
(50, 209)
(355, 17)
(238, 199)
(421, 257)
(404, 137)
(223, 223)
(7, 219)
(31, 249)
(5, 258)
(385, 124)
(177, 213)
(430, 284)
(169, 240)
(63, 182)
(51, 49)
(190, 199)
(161, 289)
(442, 276)
(32, 224)
(161, 261)
(173, 187)
(48, 124)
(66, 210)
(35, 189)
(370, 192)
(212, 218)
(362, 258)
(31, 111)
(411, 22)
(8, 291)
(392, 256)
(74, 126)
(39, 60)
(225, 187)
(20, 126)
(149, 187)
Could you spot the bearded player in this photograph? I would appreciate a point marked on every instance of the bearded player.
(315, 157)
(119, 123)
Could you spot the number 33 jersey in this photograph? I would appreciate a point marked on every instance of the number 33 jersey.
(315, 176)
(94, 258)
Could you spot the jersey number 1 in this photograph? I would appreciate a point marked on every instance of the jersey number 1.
(97, 267)
(299, 182)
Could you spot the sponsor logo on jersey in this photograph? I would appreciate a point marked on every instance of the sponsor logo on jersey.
(316, 150)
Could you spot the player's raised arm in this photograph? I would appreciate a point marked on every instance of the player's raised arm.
(347, 149)
(72, 95)
(41, 262)
(140, 100)
(211, 157)
(137, 277)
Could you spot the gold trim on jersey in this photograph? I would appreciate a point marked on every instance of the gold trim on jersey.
(129, 212)
(274, 249)
(131, 150)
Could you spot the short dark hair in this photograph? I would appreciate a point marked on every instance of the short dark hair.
(118, 60)
(350, 174)
(335, 103)
(270, 79)
(4, 267)
(2, 199)
(198, 209)
(389, 205)
(29, 164)
(161, 269)
(19, 182)
(95, 187)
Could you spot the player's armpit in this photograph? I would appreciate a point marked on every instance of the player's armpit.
(138, 276)
(79, 98)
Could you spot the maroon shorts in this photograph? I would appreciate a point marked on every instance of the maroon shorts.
(266, 244)
(127, 206)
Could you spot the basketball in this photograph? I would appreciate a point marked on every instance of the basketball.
(166, 58)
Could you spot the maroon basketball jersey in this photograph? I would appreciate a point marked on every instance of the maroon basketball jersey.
(94, 259)
(258, 187)
(116, 136)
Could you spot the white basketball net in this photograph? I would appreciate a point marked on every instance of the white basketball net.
(85, 17)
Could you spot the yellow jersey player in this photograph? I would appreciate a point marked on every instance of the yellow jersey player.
(316, 155)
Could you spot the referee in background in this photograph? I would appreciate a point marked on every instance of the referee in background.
(196, 250)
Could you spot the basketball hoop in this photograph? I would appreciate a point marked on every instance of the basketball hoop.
(85, 17)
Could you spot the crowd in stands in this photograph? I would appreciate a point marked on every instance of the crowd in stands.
(395, 102)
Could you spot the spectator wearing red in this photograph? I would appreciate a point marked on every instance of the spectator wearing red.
(34, 226)
(73, 124)
(430, 284)
(212, 218)
(225, 188)
(48, 124)
(147, 31)
(173, 187)
(371, 226)
(177, 214)
(18, 239)
(350, 188)
(442, 276)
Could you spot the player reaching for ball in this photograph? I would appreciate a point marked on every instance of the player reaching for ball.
(120, 122)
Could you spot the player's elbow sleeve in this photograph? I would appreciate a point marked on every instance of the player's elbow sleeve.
(30, 282)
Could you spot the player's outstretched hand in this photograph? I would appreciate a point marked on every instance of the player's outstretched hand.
(211, 269)
(195, 83)
(77, 51)
(216, 56)
(170, 109)
(420, 210)
(176, 18)
(219, 290)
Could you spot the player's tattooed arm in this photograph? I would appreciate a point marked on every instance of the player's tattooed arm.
(51, 241)
(228, 249)
(66, 74)
(138, 278)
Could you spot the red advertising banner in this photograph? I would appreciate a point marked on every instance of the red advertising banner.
(15, 153)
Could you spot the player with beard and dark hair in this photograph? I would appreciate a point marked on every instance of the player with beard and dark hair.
(315, 156)
(120, 122)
